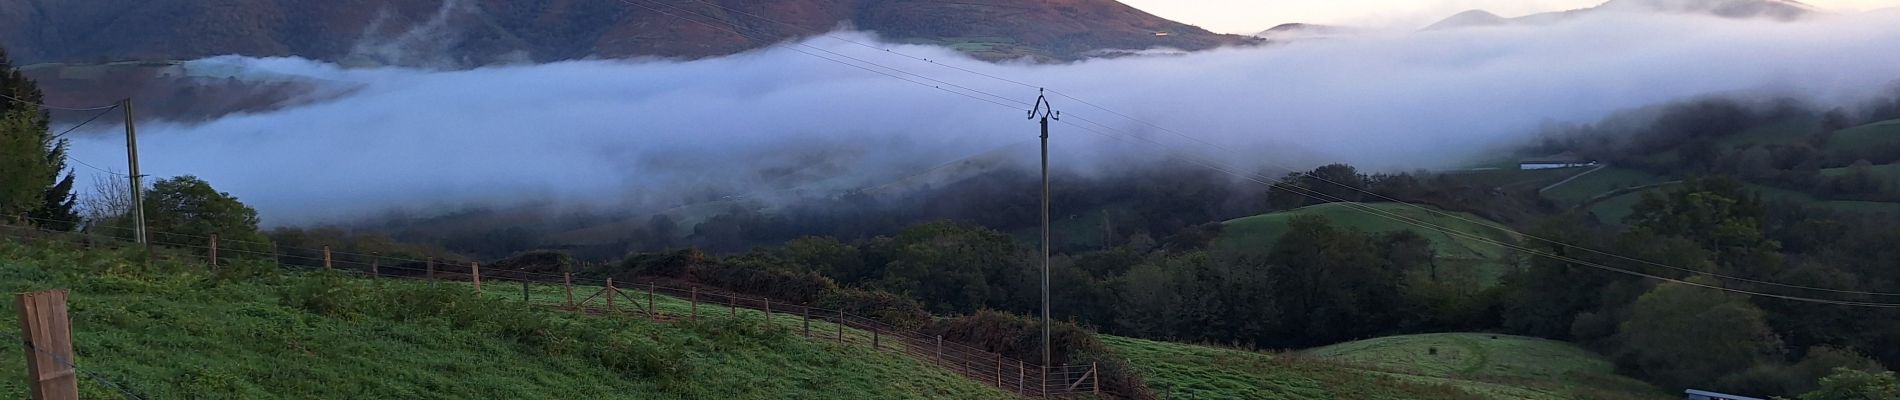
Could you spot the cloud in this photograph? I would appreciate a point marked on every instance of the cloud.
(652, 133)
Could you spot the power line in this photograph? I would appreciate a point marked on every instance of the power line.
(1302, 172)
(1426, 225)
(16, 99)
(88, 121)
(1210, 144)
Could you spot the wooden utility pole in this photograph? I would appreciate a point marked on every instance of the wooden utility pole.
(47, 334)
(1046, 111)
(132, 162)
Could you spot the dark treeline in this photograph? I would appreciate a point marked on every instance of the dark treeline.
(1782, 143)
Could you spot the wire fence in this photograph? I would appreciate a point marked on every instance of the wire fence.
(653, 299)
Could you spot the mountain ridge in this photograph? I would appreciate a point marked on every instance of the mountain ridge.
(464, 33)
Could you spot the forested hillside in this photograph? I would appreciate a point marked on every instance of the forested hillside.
(460, 33)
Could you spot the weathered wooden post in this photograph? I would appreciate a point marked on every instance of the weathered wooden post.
(326, 257)
(1098, 378)
(524, 290)
(431, 270)
(651, 310)
(1045, 381)
(768, 312)
(375, 264)
(567, 284)
(475, 270)
(610, 294)
(807, 321)
(694, 301)
(840, 325)
(999, 370)
(939, 349)
(47, 335)
(1022, 378)
(874, 337)
(732, 304)
(214, 252)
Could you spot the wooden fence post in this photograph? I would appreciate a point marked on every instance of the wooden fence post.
(431, 270)
(651, 309)
(375, 264)
(214, 252)
(768, 312)
(1045, 381)
(732, 304)
(610, 294)
(695, 303)
(1098, 378)
(1022, 378)
(46, 333)
(874, 337)
(807, 321)
(475, 269)
(939, 349)
(326, 257)
(999, 370)
(840, 325)
(524, 290)
(567, 283)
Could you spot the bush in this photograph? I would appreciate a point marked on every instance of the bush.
(1021, 337)
(674, 264)
(886, 307)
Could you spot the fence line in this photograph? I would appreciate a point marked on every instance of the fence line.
(610, 298)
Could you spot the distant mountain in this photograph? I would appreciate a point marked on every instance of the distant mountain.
(1780, 10)
(1470, 18)
(460, 33)
(1301, 31)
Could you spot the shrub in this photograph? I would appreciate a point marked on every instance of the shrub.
(1020, 337)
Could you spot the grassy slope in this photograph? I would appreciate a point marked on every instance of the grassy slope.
(1260, 232)
(1520, 369)
(1865, 135)
(171, 333)
(1501, 366)
(1589, 186)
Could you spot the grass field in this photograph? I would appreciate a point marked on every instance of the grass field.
(1478, 258)
(1589, 186)
(1509, 177)
(1877, 133)
(1379, 369)
(1790, 131)
(169, 331)
(1498, 366)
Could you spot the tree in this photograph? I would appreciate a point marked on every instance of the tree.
(188, 208)
(1853, 384)
(1681, 336)
(30, 158)
(1330, 284)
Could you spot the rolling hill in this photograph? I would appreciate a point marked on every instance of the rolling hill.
(1781, 10)
(1458, 255)
(461, 33)
(1467, 366)
(169, 330)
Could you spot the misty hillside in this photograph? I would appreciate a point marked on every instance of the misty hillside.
(460, 33)
(1780, 10)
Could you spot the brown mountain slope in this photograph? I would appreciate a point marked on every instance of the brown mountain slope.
(475, 32)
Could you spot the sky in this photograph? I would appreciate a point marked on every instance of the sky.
(1253, 16)
(652, 134)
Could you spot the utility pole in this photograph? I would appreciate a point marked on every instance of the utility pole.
(1046, 111)
(132, 158)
